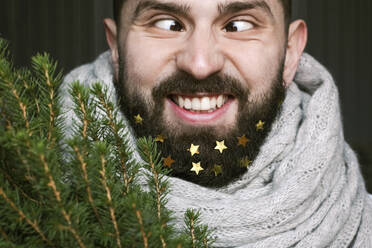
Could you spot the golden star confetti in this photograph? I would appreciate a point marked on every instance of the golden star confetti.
(193, 149)
(260, 125)
(245, 162)
(159, 138)
(196, 167)
(138, 119)
(242, 141)
(217, 169)
(220, 146)
(280, 103)
(168, 161)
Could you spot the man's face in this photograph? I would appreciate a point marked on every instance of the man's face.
(198, 72)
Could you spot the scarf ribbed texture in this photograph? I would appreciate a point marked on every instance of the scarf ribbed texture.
(304, 189)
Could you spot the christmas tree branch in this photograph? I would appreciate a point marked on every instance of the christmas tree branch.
(109, 200)
(4, 116)
(15, 185)
(199, 234)
(22, 216)
(3, 234)
(108, 109)
(83, 165)
(149, 153)
(142, 228)
(158, 189)
(57, 195)
(85, 116)
(21, 105)
(28, 87)
(192, 231)
(48, 85)
(51, 103)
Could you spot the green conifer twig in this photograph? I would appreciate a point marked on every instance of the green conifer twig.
(97, 90)
(16, 186)
(57, 195)
(83, 165)
(21, 105)
(142, 228)
(85, 116)
(148, 149)
(3, 234)
(22, 216)
(109, 200)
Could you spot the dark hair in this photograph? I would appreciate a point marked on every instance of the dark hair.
(287, 6)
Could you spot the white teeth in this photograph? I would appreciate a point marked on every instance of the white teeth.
(220, 101)
(195, 103)
(181, 102)
(187, 103)
(205, 103)
(213, 103)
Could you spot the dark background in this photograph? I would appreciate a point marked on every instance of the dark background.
(340, 37)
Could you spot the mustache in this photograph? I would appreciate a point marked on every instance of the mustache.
(184, 83)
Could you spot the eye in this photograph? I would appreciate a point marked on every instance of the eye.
(238, 26)
(168, 24)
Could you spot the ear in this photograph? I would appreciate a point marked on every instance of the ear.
(111, 38)
(297, 39)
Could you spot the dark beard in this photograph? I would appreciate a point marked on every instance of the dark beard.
(234, 160)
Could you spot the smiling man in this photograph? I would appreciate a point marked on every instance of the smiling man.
(249, 125)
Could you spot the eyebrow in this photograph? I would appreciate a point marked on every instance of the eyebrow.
(233, 7)
(177, 9)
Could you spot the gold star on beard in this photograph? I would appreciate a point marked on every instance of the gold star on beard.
(196, 167)
(220, 146)
(159, 138)
(260, 125)
(168, 161)
(193, 149)
(280, 103)
(242, 141)
(217, 169)
(138, 119)
(245, 162)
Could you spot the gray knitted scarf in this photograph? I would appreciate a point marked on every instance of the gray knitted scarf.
(304, 189)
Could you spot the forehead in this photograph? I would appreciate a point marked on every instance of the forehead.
(205, 7)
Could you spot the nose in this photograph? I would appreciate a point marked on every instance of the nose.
(200, 55)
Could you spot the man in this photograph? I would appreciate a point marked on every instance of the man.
(249, 125)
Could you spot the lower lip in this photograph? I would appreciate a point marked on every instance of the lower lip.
(199, 118)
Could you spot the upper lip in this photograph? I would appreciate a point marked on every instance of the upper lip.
(200, 94)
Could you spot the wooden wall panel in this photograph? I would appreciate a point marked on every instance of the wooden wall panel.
(71, 30)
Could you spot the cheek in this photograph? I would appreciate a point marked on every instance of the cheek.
(146, 60)
(257, 62)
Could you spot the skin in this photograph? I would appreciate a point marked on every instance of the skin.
(158, 42)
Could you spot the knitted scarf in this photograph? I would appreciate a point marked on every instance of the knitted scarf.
(304, 189)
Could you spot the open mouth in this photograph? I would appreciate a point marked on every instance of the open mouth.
(202, 108)
(201, 103)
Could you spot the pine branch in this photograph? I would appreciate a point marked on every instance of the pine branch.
(109, 199)
(83, 165)
(200, 235)
(151, 157)
(116, 129)
(22, 216)
(57, 194)
(142, 228)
